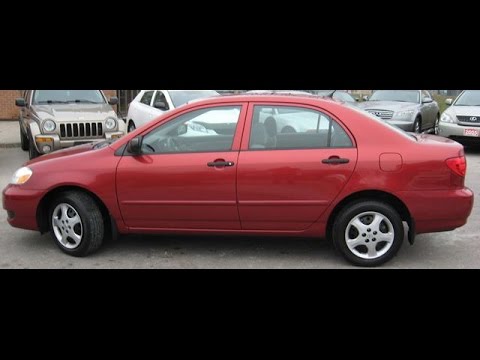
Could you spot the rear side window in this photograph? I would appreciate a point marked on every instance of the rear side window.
(291, 127)
(147, 98)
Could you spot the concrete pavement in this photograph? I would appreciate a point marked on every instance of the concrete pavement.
(9, 134)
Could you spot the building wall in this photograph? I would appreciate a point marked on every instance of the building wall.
(8, 110)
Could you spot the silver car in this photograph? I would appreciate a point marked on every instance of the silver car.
(461, 121)
(56, 119)
(410, 110)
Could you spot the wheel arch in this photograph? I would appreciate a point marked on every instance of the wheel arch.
(43, 206)
(374, 195)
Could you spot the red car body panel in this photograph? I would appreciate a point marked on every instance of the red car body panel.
(280, 192)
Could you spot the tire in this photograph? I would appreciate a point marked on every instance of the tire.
(76, 223)
(355, 221)
(24, 140)
(436, 126)
(131, 126)
(32, 150)
(417, 125)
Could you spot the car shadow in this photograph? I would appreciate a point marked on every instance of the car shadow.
(227, 251)
(472, 149)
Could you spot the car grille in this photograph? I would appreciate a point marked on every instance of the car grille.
(382, 114)
(81, 130)
(474, 120)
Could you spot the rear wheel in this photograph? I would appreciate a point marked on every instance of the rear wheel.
(368, 233)
(76, 223)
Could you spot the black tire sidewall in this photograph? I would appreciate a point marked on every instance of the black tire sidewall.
(24, 140)
(348, 213)
(86, 218)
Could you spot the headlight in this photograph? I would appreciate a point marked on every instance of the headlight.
(403, 114)
(111, 123)
(447, 118)
(21, 176)
(49, 125)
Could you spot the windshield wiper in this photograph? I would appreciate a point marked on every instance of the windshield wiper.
(85, 101)
(51, 102)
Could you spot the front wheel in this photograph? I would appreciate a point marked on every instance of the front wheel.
(437, 125)
(131, 126)
(76, 223)
(23, 140)
(32, 150)
(417, 126)
(368, 233)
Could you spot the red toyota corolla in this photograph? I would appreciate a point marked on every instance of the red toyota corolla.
(251, 164)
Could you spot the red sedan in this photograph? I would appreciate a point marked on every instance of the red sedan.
(252, 164)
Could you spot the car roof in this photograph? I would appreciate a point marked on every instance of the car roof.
(269, 97)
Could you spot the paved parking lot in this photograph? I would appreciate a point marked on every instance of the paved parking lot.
(26, 249)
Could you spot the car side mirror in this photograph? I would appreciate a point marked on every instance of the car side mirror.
(135, 145)
(160, 105)
(113, 100)
(365, 98)
(449, 102)
(427, 100)
(20, 102)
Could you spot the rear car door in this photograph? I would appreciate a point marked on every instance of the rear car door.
(294, 162)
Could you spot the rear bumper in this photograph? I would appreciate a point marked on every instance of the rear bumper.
(438, 210)
(21, 206)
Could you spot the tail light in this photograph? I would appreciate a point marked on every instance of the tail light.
(458, 165)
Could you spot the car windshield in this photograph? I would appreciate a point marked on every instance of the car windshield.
(67, 96)
(180, 97)
(412, 96)
(469, 98)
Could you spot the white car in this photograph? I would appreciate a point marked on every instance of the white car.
(149, 104)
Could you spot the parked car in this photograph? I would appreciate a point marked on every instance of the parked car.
(410, 110)
(337, 95)
(57, 119)
(356, 181)
(461, 121)
(149, 104)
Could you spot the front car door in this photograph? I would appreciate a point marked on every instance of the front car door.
(186, 176)
(294, 162)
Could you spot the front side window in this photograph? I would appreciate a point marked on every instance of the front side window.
(291, 127)
(147, 98)
(204, 130)
(41, 97)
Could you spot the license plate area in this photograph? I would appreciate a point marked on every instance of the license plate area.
(471, 132)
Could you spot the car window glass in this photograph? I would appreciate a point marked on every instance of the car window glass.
(289, 127)
(343, 96)
(205, 130)
(160, 97)
(67, 96)
(147, 98)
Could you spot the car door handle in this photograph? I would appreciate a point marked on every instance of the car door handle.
(221, 164)
(334, 160)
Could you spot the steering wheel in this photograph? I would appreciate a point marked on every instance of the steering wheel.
(172, 144)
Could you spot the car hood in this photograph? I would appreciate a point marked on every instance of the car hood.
(75, 150)
(464, 110)
(74, 112)
(387, 105)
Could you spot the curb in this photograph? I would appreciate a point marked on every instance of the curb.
(10, 146)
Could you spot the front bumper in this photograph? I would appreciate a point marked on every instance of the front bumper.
(47, 143)
(21, 206)
(456, 132)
